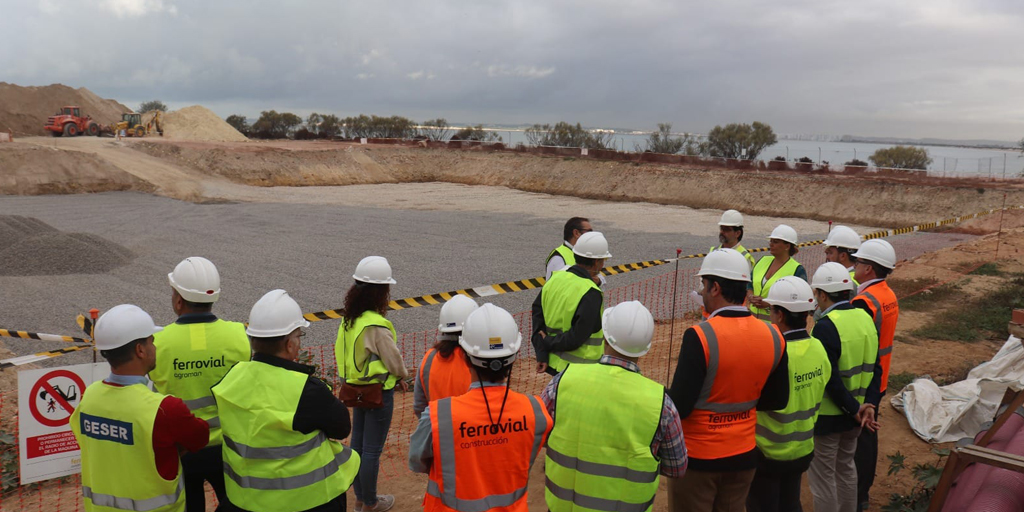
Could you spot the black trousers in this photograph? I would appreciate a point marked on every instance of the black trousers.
(775, 491)
(339, 504)
(866, 459)
(204, 466)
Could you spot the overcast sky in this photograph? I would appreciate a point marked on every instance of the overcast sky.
(915, 68)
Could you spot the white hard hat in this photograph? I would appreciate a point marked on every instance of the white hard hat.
(592, 244)
(196, 279)
(784, 233)
(123, 324)
(727, 263)
(842, 236)
(275, 314)
(831, 277)
(731, 218)
(454, 313)
(793, 294)
(491, 333)
(374, 270)
(878, 251)
(628, 327)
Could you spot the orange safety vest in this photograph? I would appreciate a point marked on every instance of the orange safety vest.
(478, 467)
(740, 352)
(442, 377)
(879, 297)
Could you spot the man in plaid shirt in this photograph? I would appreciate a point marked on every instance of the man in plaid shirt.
(599, 411)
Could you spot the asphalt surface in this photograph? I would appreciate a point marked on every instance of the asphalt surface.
(308, 249)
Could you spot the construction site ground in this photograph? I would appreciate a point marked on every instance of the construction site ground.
(446, 220)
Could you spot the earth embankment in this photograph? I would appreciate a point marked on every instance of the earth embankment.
(35, 170)
(856, 199)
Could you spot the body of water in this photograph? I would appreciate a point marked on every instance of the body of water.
(946, 160)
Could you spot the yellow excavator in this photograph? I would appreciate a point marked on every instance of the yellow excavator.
(131, 123)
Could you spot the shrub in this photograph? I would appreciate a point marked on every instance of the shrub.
(435, 129)
(272, 125)
(147, 106)
(731, 140)
(239, 123)
(476, 133)
(901, 157)
(856, 163)
(567, 135)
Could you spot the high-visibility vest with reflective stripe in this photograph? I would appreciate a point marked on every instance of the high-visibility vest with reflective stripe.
(758, 273)
(442, 377)
(565, 252)
(599, 453)
(885, 310)
(268, 466)
(859, 343)
(114, 427)
(478, 467)
(559, 299)
(191, 358)
(349, 346)
(740, 352)
(742, 250)
(788, 434)
(853, 279)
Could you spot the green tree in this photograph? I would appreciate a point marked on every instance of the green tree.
(436, 129)
(476, 133)
(731, 140)
(272, 125)
(313, 123)
(239, 123)
(394, 127)
(147, 106)
(330, 126)
(901, 157)
(662, 141)
(564, 134)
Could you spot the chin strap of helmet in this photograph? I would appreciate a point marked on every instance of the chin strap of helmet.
(504, 399)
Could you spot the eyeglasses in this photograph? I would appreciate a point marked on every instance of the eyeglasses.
(584, 230)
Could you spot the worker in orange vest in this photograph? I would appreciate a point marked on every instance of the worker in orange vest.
(478, 448)
(730, 365)
(876, 259)
(444, 371)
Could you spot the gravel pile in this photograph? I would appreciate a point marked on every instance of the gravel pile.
(197, 123)
(34, 248)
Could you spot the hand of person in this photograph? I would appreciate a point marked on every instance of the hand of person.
(866, 417)
(402, 385)
(541, 367)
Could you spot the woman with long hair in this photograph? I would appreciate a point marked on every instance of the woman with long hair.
(368, 357)
(444, 372)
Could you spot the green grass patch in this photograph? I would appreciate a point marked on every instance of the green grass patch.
(988, 269)
(927, 299)
(983, 318)
(898, 381)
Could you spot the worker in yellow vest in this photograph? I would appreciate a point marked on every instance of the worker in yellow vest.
(130, 436)
(730, 234)
(616, 430)
(776, 265)
(562, 256)
(567, 311)
(840, 244)
(785, 438)
(478, 447)
(193, 354)
(281, 424)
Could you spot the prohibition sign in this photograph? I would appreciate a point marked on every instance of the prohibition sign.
(45, 383)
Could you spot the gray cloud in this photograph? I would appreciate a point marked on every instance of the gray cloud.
(938, 68)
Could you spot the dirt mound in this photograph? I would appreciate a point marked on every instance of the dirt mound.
(34, 248)
(33, 170)
(197, 123)
(25, 109)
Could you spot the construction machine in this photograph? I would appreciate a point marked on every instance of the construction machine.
(69, 121)
(131, 123)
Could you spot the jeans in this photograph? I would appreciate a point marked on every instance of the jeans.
(369, 432)
(204, 465)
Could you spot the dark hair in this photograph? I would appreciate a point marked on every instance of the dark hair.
(123, 354)
(489, 375)
(271, 345)
(793, 249)
(584, 261)
(363, 297)
(880, 271)
(847, 252)
(572, 225)
(740, 229)
(793, 320)
(839, 296)
(198, 307)
(446, 344)
(734, 292)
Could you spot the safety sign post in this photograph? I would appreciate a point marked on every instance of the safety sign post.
(46, 399)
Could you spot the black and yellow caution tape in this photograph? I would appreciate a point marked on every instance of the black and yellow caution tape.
(85, 324)
(537, 282)
(39, 356)
(9, 333)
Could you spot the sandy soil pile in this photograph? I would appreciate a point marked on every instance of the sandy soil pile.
(197, 123)
(34, 248)
(32, 170)
(25, 109)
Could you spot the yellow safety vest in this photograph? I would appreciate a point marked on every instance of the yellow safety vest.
(559, 299)
(760, 269)
(114, 427)
(349, 345)
(788, 434)
(565, 252)
(191, 358)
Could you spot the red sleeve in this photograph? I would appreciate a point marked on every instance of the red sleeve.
(176, 426)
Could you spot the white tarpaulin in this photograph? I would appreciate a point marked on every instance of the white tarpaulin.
(949, 413)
